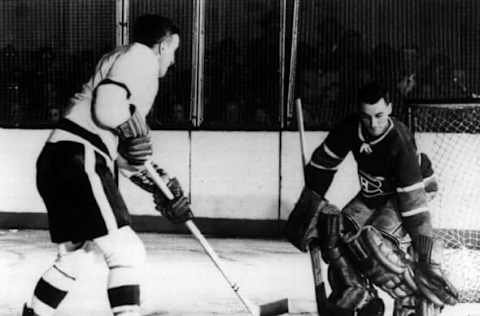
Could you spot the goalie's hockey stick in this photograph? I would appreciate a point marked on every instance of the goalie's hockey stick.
(314, 249)
(273, 308)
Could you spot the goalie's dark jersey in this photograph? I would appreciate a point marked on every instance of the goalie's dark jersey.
(388, 165)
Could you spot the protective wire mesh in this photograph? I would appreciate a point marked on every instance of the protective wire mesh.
(449, 135)
(48, 49)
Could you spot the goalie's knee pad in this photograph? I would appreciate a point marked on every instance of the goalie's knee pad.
(382, 262)
(350, 291)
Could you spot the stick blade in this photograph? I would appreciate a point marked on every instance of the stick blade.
(274, 308)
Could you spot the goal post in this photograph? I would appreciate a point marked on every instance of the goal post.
(449, 133)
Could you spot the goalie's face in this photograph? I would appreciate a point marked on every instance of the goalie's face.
(166, 53)
(374, 117)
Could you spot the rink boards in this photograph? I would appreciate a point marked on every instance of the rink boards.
(231, 176)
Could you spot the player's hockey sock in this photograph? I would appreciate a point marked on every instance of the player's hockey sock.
(124, 291)
(50, 290)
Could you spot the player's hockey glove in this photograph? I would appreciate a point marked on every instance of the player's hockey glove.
(134, 141)
(177, 210)
(143, 180)
(429, 277)
(136, 150)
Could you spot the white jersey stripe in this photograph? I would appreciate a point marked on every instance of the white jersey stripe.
(321, 167)
(415, 211)
(412, 187)
(97, 189)
(329, 152)
(425, 180)
(59, 135)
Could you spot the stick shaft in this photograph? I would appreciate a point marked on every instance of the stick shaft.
(301, 130)
(158, 180)
(252, 308)
(318, 266)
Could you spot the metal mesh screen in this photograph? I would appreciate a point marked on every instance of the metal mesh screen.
(426, 49)
(448, 133)
(242, 63)
(47, 50)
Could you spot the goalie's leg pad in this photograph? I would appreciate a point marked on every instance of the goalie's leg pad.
(374, 307)
(124, 254)
(57, 281)
(405, 306)
(301, 227)
(350, 290)
(415, 306)
(382, 262)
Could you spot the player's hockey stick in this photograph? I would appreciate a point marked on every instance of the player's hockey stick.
(273, 308)
(314, 249)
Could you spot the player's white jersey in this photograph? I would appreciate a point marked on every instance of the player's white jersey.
(134, 67)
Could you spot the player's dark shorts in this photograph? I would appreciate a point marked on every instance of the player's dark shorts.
(80, 191)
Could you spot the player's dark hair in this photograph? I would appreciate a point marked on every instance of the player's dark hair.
(371, 93)
(150, 29)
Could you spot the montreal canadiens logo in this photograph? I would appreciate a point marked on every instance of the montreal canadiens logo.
(371, 186)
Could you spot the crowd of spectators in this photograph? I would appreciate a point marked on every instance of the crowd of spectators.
(330, 72)
(241, 79)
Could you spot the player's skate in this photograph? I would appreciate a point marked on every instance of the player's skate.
(27, 311)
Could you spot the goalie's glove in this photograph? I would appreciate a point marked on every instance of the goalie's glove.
(429, 277)
(177, 210)
(136, 150)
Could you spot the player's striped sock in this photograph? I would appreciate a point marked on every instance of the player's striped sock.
(124, 291)
(50, 290)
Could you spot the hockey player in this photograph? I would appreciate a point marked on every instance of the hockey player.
(105, 129)
(383, 236)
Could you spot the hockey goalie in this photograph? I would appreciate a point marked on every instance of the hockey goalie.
(382, 239)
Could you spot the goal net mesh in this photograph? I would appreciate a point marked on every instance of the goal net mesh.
(450, 135)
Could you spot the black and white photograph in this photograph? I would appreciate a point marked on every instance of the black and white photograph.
(239, 157)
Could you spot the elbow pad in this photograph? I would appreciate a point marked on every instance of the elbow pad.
(133, 127)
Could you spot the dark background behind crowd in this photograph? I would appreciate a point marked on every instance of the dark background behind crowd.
(418, 49)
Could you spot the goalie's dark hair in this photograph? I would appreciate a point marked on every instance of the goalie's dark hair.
(150, 29)
(372, 92)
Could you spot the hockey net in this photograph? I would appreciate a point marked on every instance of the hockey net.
(450, 135)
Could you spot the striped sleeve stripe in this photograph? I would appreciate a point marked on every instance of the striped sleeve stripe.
(97, 189)
(412, 187)
(318, 166)
(428, 178)
(415, 211)
(329, 152)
